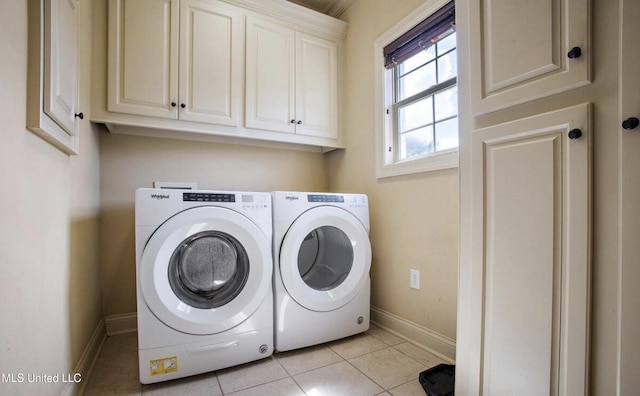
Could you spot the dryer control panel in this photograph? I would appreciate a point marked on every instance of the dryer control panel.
(288, 205)
(351, 200)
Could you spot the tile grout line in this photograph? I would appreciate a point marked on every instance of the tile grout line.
(360, 371)
(388, 347)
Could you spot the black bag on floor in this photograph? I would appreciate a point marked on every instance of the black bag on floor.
(439, 380)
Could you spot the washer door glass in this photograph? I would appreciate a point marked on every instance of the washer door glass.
(205, 270)
(325, 258)
(208, 269)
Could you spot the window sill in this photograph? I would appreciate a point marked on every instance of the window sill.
(435, 162)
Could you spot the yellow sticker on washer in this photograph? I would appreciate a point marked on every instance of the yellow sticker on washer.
(163, 366)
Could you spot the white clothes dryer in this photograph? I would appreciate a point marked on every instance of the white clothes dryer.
(322, 258)
(204, 281)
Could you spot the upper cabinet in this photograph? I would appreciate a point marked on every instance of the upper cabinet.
(217, 69)
(143, 63)
(175, 59)
(543, 51)
(316, 86)
(211, 56)
(292, 81)
(52, 104)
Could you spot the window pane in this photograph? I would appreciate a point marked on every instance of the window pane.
(447, 134)
(447, 43)
(417, 142)
(446, 103)
(417, 60)
(417, 81)
(416, 114)
(448, 66)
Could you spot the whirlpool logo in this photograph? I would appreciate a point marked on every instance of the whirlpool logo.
(160, 196)
(291, 198)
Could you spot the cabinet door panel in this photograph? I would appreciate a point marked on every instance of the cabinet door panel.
(531, 247)
(270, 76)
(316, 86)
(52, 72)
(211, 43)
(61, 63)
(143, 57)
(525, 58)
(523, 267)
(629, 144)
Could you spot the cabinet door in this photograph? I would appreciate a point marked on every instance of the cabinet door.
(61, 63)
(52, 72)
(211, 61)
(316, 87)
(530, 256)
(629, 144)
(270, 78)
(525, 58)
(143, 57)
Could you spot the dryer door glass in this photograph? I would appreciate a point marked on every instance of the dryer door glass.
(208, 269)
(325, 258)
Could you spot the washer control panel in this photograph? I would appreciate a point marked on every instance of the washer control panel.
(324, 198)
(207, 197)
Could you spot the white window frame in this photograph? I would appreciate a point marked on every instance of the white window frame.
(386, 164)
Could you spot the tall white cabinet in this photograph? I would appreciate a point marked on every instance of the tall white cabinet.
(525, 260)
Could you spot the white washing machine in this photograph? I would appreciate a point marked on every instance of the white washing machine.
(204, 281)
(322, 258)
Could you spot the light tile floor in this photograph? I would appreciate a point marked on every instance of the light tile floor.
(373, 363)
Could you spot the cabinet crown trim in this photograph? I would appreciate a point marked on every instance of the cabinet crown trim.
(304, 18)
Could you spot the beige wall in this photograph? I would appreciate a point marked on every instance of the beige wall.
(49, 208)
(414, 219)
(130, 162)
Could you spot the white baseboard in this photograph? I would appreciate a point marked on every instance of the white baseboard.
(435, 343)
(122, 323)
(87, 361)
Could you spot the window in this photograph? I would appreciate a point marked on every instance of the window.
(425, 105)
(419, 131)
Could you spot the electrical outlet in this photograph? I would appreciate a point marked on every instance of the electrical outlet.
(414, 279)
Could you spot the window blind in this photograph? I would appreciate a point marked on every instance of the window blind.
(420, 37)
